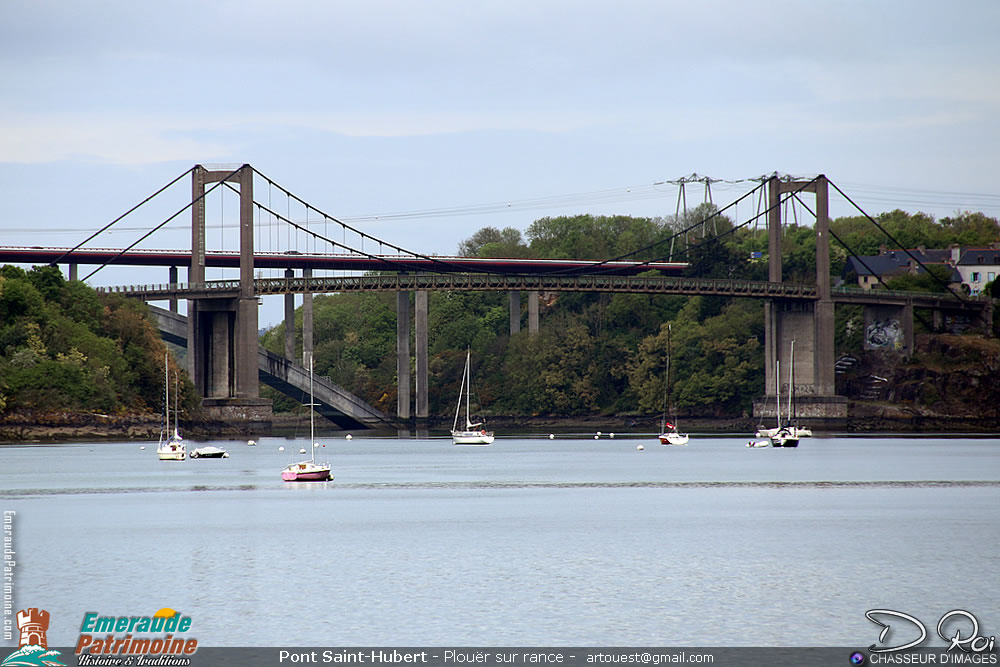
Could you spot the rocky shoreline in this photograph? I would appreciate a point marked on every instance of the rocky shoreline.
(864, 418)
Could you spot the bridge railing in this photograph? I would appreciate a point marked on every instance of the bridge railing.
(477, 282)
(860, 294)
(496, 282)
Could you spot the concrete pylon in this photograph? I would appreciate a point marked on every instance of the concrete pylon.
(533, 297)
(222, 333)
(420, 324)
(809, 324)
(307, 321)
(515, 312)
(403, 354)
(289, 319)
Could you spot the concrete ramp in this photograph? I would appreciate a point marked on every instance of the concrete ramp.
(335, 403)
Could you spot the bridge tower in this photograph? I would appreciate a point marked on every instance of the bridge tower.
(810, 325)
(222, 333)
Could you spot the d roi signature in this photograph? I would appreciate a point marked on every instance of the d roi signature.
(973, 642)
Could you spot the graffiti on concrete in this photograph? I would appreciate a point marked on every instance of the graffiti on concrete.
(884, 335)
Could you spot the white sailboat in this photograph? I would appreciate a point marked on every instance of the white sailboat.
(785, 435)
(792, 423)
(473, 433)
(309, 471)
(763, 431)
(171, 446)
(669, 435)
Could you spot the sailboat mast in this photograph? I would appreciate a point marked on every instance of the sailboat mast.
(468, 382)
(670, 402)
(165, 427)
(312, 415)
(666, 390)
(777, 390)
(458, 406)
(176, 411)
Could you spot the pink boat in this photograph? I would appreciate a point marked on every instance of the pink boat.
(306, 471)
(309, 471)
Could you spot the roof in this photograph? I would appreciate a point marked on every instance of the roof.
(895, 262)
(979, 257)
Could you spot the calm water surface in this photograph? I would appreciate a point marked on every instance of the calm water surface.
(572, 541)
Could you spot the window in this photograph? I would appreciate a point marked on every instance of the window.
(975, 276)
(991, 276)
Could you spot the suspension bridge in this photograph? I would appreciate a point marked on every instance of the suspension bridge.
(220, 328)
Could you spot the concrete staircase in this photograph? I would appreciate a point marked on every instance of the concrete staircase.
(334, 402)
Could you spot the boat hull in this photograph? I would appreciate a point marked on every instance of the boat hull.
(673, 438)
(209, 453)
(173, 450)
(306, 472)
(784, 438)
(472, 437)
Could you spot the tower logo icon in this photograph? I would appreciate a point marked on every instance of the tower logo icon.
(33, 645)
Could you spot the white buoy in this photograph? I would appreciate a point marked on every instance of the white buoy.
(350, 437)
(252, 443)
(611, 435)
(552, 436)
(281, 449)
(315, 445)
(598, 434)
(143, 447)
(597, 437)
(640, 447)
(302, 450)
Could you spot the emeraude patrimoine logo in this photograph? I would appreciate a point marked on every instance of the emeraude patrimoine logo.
(130, 635)
(33, 648)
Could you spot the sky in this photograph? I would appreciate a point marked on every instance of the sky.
(420, 121)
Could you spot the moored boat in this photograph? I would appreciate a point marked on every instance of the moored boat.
(309, 471)
(473, 433)
(209, 452)
(171, 446)
(669, 435)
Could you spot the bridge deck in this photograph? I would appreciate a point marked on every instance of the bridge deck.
(760, 289)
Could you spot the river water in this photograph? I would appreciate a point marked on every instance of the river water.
(531, 541)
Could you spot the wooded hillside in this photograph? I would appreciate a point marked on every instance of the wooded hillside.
(600, 353)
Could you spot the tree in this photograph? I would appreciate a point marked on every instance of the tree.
(935, 279)
(972, 229)
(493, 242)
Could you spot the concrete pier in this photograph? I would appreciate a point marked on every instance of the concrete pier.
(307, 322)
(403, 355)
(533, 297)
(515, 312)
(289, 320)
(420, 324)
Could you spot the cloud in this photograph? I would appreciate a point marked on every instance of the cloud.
(125, 140)
(129, 139)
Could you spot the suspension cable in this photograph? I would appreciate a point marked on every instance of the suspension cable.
(159, 226)
(116, 220)
(360, 233)
(891, 238)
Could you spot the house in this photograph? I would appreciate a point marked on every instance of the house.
(972, 269)
(977, 266)
(888, 263)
